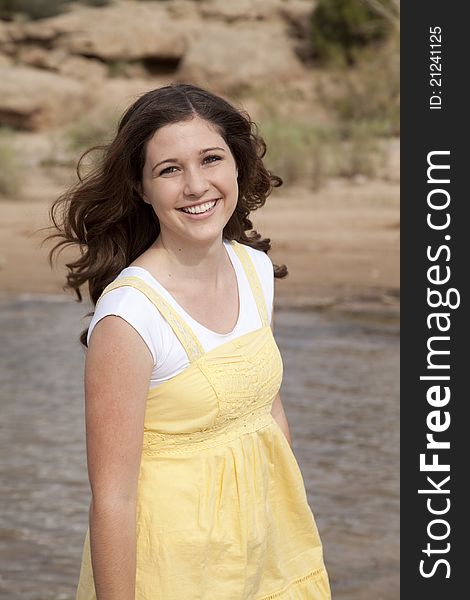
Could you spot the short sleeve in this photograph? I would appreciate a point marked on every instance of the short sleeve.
(135, 308)
(265, 270)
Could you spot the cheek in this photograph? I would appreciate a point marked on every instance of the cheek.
(147, 189)
(230, 180)
(157, 192)
(235, 189)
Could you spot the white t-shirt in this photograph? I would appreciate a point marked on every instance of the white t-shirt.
(168, 354)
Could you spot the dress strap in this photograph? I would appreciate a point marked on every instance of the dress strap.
(183, 332)
(253, 279)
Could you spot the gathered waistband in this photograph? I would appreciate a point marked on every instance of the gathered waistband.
(158, 443)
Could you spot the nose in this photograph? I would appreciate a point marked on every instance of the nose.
(195, 183)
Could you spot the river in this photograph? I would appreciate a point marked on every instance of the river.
(340, 393)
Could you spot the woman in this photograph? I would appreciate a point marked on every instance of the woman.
(196, 492)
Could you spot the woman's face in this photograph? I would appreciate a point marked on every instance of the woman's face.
(190, 179)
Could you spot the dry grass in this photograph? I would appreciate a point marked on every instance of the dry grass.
(368, 93)
(363, 106)
(302, 152)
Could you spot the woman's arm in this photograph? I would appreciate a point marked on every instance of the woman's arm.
(278, 413)
(117, 373)
(277, 409)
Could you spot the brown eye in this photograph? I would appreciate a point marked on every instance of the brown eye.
(212, 158)
(167, 170)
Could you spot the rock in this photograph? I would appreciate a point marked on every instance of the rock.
(85, 69)
(114, 96)
(4, 60)
(7, 44)
(258, 10)
(245, 54)
(183, 9)
(45, 31)
(242, 10)
(4, 33)
(32, 99)
(298, 13)
(34, 56)
(123, 32)
(59, 61)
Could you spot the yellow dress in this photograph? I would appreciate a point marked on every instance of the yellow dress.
(222, 512)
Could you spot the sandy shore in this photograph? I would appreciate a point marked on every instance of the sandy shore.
(341, 245)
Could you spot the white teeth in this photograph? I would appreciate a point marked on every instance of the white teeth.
(194, 210)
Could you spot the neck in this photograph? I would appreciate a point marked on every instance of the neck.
(193, 262)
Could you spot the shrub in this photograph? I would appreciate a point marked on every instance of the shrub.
(31, 9)
(90, 131)
(369, 92)
(304, 152)
(357, 152)
(96, 3)
(289, 147)
(342, 27)
(40, 9)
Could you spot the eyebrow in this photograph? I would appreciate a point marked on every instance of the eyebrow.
(170, 160)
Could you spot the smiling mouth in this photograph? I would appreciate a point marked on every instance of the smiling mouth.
(200, 208)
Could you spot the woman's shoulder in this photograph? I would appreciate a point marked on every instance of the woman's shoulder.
(131, 295)
(130, 304)
(261, 260)
(265, 271)
(129, 283)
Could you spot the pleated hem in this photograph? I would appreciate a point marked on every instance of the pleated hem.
(313, 586)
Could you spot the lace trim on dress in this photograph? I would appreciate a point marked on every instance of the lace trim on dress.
(168, 444)
(253, 279)
(316, 574)
(244, 372)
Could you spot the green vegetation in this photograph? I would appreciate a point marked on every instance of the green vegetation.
(293, 147)
(31, 9)
(126, 68)
(363, 110)
(66, 146)
(356, 83)
(40, 9)
(96, 3)
(341, 28)
(301, 151)
(368, 94)
(362, 102)
(90, 131)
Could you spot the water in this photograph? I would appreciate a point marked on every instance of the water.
(340, 394)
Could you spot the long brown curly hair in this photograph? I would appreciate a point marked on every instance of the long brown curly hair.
(104, 214)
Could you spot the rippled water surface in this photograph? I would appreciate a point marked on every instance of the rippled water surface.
(340, 393)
